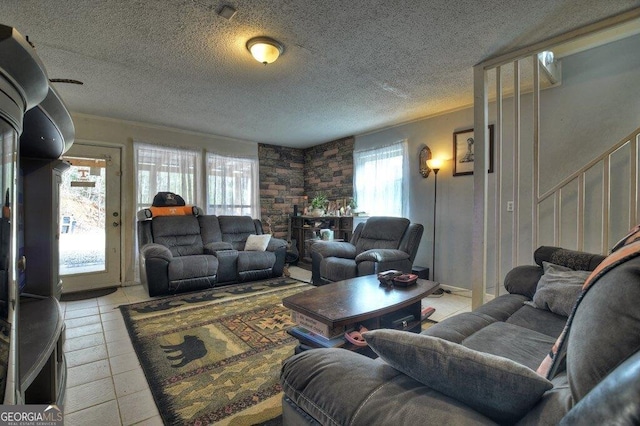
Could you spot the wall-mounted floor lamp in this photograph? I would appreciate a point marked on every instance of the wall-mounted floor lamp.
(434, 164)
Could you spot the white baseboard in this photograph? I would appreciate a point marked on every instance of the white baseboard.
(464, 292)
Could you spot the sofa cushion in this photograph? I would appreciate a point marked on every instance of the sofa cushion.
(458, 327)
(236, 229)
(209, 229)
(257, 242)
(382, 232)
(558, 289)
(502, 307)
(499, 337)
(255, 260)
(545, 322)
(606, 327)
(180, 234)
(340, 387)
(195, 266)
(497, 387)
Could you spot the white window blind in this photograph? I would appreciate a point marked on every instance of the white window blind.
(379, 176)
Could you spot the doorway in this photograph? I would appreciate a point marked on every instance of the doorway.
(90, 219)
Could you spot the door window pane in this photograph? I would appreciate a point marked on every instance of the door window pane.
(82, 217)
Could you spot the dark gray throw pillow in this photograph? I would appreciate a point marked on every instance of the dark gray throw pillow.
(497, 387)
(558, 289)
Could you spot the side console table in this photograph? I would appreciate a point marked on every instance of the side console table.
(303, 228)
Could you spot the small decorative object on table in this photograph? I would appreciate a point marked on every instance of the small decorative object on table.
(405, 280)
(318, 204)
(386, 278)
(326, 234)
(396, 278)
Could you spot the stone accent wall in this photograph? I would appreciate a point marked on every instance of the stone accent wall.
(328, 169)
(290, 176)
(281, 185)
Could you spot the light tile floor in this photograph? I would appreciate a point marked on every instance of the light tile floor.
(105, 383)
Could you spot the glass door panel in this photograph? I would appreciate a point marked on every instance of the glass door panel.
(90, 231)
(82, 214)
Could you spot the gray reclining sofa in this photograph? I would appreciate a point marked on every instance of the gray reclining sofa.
(193, 252)
(480, 367)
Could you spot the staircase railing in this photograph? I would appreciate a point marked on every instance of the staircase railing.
(567, 214)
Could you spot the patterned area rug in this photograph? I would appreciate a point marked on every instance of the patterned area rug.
(215, 356)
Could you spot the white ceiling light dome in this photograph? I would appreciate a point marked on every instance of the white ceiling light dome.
(264, 49)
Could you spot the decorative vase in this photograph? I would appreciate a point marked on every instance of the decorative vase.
(317, 212)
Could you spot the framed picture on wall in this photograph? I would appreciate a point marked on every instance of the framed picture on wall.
(463, 151)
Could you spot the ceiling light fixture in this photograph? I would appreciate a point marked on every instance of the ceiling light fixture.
(264, 49)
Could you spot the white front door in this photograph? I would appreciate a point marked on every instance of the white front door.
(90, 219)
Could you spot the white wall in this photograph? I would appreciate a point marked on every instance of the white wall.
(454, 203)
(110, 132)
(597, 104)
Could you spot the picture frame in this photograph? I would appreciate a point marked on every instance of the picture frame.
(463, 151)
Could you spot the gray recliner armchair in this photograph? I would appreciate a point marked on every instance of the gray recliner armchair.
(379, 244)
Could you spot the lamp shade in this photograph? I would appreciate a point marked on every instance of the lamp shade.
(264, 49)
(434, 163)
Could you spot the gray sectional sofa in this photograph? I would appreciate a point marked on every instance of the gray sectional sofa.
(480, 367)
(193, 252)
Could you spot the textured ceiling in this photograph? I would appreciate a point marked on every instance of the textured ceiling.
(349, 67)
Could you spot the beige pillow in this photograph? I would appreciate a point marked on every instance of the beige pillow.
(257, 242)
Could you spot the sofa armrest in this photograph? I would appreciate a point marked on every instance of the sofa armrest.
(614, 400)
(276, 243)
(382, 255)
(334, 249)
(212, 248)
(154, 265)
(154, 250)
(523, 280)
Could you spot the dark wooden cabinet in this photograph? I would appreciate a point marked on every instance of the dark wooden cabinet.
(305, 229)
(42, 364)
(41, 323)
(41, 193)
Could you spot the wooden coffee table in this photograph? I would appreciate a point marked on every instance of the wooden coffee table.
(362, 301)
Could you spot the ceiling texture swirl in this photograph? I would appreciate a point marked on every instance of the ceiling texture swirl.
(348, 67)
